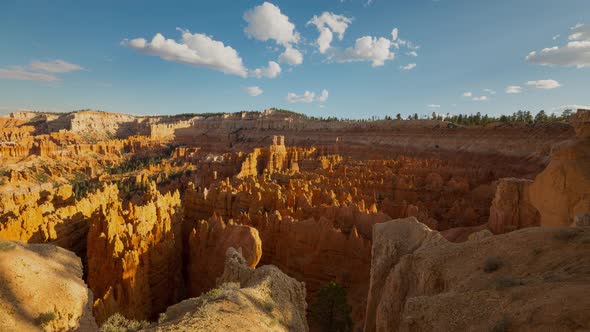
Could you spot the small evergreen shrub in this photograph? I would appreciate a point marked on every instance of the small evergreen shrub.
(330, 309)
(118, 323)
(492, 264)
(44, 318)
(7, 246)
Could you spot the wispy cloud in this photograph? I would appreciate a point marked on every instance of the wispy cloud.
(55, 66)
(513, 89)
(21, 73)
(409, 66)
(480, 98)
(43, 71)
(544, 84)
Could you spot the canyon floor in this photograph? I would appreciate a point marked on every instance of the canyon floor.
(239, 221)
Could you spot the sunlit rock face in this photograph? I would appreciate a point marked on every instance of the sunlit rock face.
(562, 191)
(135, 256)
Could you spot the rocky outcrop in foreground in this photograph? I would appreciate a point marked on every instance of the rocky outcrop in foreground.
(534, 279)
(41, 289)
(262, 299)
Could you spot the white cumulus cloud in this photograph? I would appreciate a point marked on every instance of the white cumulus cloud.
(291, 56)
(328, 24)
(192, 49)
(513, 89)
(367, 48)
(271, 71)
(266, 22)
(323, 97)
(467, 94)
(576, 53)
(580, 32)
(254, 91)
(409, 66)
(481, 98)
(544, 84)
(434, 106)
(394, 34)
(376, 50)
(308, 97)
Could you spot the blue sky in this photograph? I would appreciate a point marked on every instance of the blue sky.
(69, 55)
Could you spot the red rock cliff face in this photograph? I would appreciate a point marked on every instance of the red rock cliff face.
(135, 255)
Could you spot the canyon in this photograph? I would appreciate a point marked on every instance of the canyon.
(185, 221)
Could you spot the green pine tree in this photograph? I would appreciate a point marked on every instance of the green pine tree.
(330, 309)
